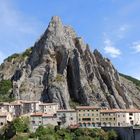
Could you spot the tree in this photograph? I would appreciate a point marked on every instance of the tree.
(112, 135)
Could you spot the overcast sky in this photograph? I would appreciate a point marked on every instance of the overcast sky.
(111, 26)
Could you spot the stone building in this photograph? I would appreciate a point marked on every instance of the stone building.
(128, 117)
(39, 118)
(67, 118)
(4, 107)
(4, 118)
(15, 108)
(108, 117)
(49, 108)
(30, 106)
(120, 117)
(88, 116)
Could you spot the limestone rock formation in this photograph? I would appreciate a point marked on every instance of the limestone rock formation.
(61, 68)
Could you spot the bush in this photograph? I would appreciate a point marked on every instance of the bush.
(21, 124)
(112, 135)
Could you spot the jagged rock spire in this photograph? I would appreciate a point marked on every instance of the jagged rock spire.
(62, 69)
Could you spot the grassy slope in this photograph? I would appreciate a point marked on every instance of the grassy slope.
(134, 80)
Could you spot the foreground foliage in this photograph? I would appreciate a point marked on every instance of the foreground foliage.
(49, 133)
(19, 130)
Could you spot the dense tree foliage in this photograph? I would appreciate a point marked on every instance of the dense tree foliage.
(19, 130)
(49, 133)
(21, 124)
(5, 86)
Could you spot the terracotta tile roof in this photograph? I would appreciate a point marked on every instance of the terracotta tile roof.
(64, 110)
(48, 104)
(74, 126)
(36, 114)
(29, 101)
(40, 114)
(109, 110)
(3, 114)
(4, 103)
(48, 115)
(87, 107)
(120, 111)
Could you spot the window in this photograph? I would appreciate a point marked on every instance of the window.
(79, 119)
(92, 119)
(1, 123)
(123, 115)
(79, 114)
(71, 118)
(33, 122)
(130, 118)
(92, 114)
(130, 114)
(88, 114)
(118, 115)
(86, 119)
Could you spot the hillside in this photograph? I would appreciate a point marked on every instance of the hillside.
(61, 68)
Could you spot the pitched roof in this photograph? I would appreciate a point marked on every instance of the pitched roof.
(87, 107)
(120, 111)
(65, 110)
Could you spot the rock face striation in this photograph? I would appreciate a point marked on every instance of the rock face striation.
(61, 68)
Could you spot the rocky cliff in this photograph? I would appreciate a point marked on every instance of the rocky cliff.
(61, 68)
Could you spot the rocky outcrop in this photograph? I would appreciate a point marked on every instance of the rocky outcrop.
(61, 68)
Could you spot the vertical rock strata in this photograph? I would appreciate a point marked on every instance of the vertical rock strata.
(61, 68)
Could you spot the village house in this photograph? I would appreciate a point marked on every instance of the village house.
(128, 117)
(35, 121)
(120, 117)
(5, 117)
(49, 108)
(15, 108)
(67, 118)
(4, 106)
(49, 119)
(88, 116)
(39, 118)
(30, 106)
(108, 117)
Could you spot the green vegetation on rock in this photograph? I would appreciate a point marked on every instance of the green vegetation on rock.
(5, 87)
(59, 78)
(73, 103)
(20, 57)
(134, 80)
